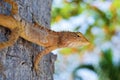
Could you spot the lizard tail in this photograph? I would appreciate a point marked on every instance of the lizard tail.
(40, 55)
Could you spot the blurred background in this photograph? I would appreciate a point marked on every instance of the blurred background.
(99, 21)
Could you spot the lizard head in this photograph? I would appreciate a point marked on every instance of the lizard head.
(73, 39)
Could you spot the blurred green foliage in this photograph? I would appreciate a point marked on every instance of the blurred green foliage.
(108, 67)
(106, 70)
(76, 75)
(69, 9)
(107, 21)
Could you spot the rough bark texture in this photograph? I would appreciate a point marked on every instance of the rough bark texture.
(16, 62)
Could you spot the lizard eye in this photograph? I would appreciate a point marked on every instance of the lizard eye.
(78, 36)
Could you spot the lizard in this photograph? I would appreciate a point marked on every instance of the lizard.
(39, 35)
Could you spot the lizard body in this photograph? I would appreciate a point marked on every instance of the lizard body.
(40, 35)
(33, 33)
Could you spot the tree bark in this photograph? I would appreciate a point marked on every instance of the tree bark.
(16, 62)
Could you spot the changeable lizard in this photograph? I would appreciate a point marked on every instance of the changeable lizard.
(37, 34)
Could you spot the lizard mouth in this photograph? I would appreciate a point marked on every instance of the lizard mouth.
(78, 44)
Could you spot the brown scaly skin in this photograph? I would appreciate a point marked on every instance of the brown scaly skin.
(37, 34)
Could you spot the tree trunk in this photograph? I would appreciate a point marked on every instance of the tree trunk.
(16, 62)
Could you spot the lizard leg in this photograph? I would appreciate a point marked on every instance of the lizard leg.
(40, 55)
(14, 6)
(13, 38)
